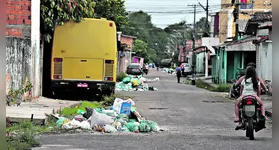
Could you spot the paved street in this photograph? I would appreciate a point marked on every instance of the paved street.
(187, 114)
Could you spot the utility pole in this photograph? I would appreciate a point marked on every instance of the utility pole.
(194, 40)
(236, 16)
(206, 27)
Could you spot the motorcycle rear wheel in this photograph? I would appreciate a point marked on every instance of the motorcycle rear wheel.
(250, 129)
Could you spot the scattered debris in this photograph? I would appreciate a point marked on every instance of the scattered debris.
(121, 117)
(136, 83)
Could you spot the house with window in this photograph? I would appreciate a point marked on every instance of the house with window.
(233, 56)
(125, 47)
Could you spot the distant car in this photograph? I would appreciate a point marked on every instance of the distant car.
(134, 69)
(187, 69)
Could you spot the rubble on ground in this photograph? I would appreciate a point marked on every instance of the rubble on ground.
(136, 83)
(121, 117)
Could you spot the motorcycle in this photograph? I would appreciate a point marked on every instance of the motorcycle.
(250, 116)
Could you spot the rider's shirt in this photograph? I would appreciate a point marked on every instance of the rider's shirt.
(248, 87)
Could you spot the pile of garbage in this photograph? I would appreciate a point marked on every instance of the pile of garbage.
(135, 83)
(169, 71)
(121, 117)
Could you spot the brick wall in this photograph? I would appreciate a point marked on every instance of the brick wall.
(18, 18)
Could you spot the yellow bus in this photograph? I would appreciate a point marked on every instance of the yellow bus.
(84, 57)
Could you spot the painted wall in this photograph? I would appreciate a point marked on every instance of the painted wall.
(227, 26)
(265, 61)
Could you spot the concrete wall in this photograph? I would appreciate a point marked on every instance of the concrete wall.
(23, 50)
(265, 61)
(18, 57)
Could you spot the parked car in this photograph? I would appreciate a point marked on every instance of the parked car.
(134, 69)
(187, 69)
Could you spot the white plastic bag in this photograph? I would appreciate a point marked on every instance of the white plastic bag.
(109, 129)
(118, 104)
(100, 119)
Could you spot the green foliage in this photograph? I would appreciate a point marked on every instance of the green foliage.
(121, 76)
(217, 88)
(201, 84)
(112, 10)
(57, 12)
(140, 47)
(223, 87)
(22, 141)
(140, 26)
(16, 95)
(71, 111)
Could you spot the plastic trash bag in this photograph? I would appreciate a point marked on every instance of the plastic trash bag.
(144, 127)
(126, 80)
(61, 121)
(109, 129)
(117, 125)
(152, 124)
(100, 119)
(133, 126)
(122, 106)
(80, 112)
(124, 129)
(73, 124)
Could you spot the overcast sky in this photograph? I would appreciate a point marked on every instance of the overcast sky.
(164, 12)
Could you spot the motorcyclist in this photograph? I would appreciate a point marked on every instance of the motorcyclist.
(250, 85)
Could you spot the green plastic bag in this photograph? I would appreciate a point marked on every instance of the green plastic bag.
(132, 120)
(144, 127)
(80, 112)
(152, 124)
(126, 80)
(133, 126)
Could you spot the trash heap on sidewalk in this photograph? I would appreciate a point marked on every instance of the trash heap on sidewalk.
(121, 117)
(135, 83)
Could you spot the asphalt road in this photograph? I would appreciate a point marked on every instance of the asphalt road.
(189, 118)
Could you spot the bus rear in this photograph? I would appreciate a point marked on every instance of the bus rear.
(84, 56)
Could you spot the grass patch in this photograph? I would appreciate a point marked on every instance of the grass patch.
(218, 88)
(121, 76)
(22, 135)
(187, 82)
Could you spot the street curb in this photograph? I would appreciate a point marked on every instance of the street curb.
(268, 113)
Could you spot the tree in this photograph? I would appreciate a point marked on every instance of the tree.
(140, 48)
(57, 12)
(112, 10)
(140, 25)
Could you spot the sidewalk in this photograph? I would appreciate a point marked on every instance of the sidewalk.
(38, 108)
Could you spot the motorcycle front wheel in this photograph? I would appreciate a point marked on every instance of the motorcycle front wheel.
(250, 129)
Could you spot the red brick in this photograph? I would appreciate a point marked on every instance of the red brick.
(24, 7)
(19, 21)
(12, 21)
(11, 17)
(17, 7)
(24, 17)
(27, 21)
(8, 2)
(28, 3)
(14, 12)
(10, 7)
(18, 17)
(8, 11)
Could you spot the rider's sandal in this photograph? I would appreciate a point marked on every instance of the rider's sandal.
(238, 127)
(236, 121)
